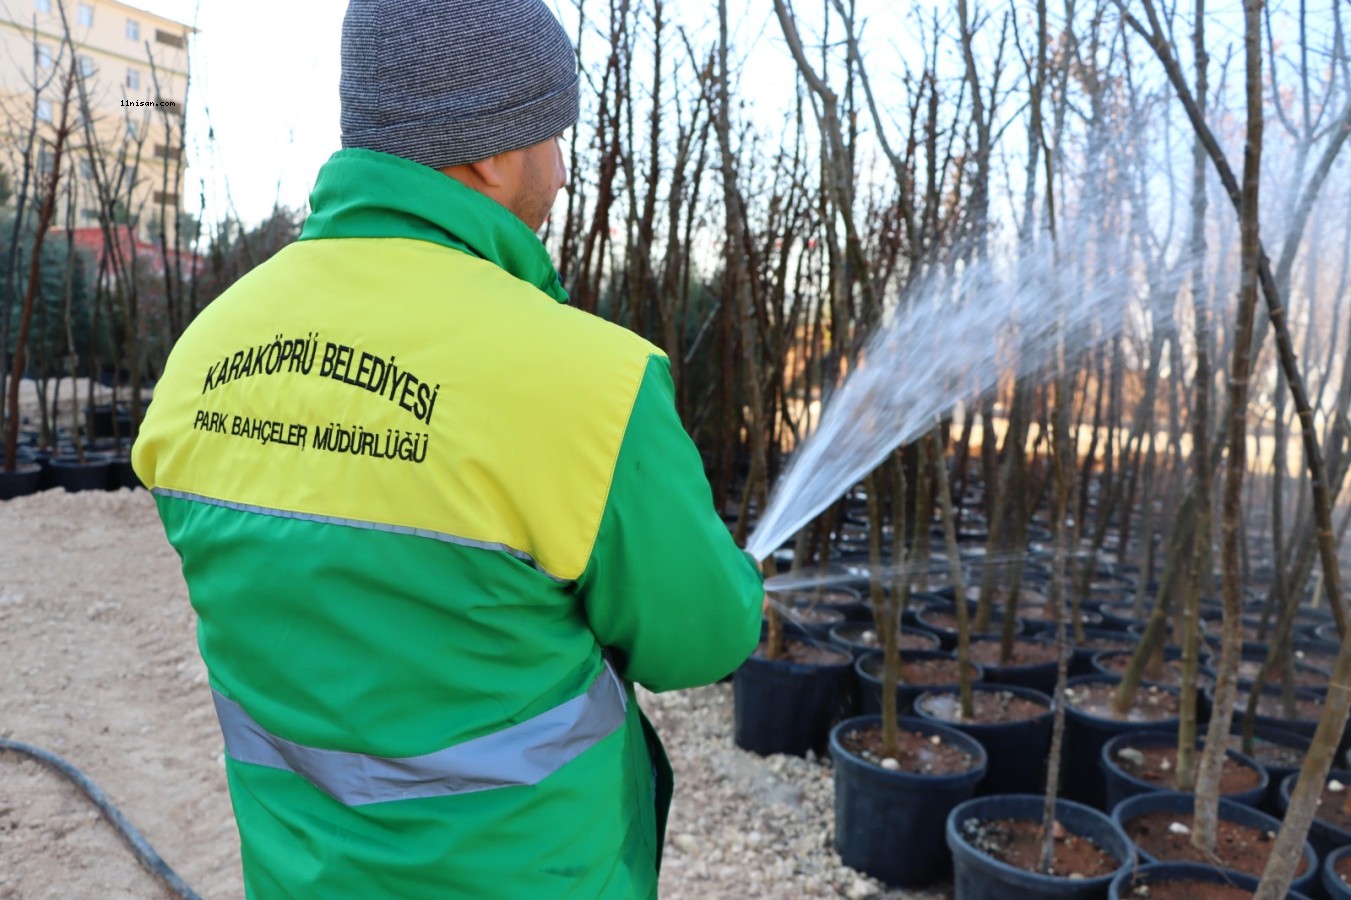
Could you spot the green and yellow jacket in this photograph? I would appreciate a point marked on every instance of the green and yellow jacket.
(435, 523)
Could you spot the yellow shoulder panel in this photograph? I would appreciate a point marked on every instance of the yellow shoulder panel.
(398, 383)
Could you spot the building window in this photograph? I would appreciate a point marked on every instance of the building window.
(167, 37)
(134, 79)
(86, 169)
(84, 14)
(163, 152)
(133, 131)
(44, 161)
(89, 214)
(44, 56)
(43, 6)
(167, 197)
(45, 110)
(86, 67)
(133, 30)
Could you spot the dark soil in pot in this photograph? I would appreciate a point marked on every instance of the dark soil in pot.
(1145, 762)
(1013, 724)
(860, 638)
(943, 622)
(1271, 712)
(1337, 874)
(1331, 827)
(995, 843)
(1031, 664)
(1115, 663)
(789, 705)
(813, 622)
(917, 753)
(1319, 654)
(920, 671)
(1238, 847)
(831, 596)
(1040, 619)
(1090, 723)
(1160, 826)
(1095, 641)
(1019, 844)
(886, 812)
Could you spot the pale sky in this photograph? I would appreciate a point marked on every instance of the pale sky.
(266, 72)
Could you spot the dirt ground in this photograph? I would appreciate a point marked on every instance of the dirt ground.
(99, 664)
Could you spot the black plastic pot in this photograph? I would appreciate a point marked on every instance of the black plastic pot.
(1039, 626)
(1122, 784)
(1118, 616)
(1081, 662)
(1125, 884)
(979, 876)
(1302, 727)
(811, 631)
(831, 613)
(121, 474)
(786, 707)
(1324, 836)
(1017, 750)
(1085, 735)
(869, 672)
(949, 635)
(1237, 813)
(1275, 774)
(1333, 885)
(75, 475)
(24, 480)
(1038, 676)
(886, 821)
(1172, 657)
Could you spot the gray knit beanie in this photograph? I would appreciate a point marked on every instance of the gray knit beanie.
(444, 82)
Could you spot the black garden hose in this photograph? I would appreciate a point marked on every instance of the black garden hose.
(135, 840)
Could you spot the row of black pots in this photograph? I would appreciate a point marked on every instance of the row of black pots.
(884, 821)
(979, 876)
(785, 707)
(1086, 734)
(96, 472)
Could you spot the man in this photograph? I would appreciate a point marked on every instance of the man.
(435, 523)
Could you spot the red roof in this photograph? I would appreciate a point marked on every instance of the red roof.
(91, 239)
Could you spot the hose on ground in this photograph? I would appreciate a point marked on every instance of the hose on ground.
(134, 839)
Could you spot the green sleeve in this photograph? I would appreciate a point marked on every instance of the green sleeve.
(666, 587)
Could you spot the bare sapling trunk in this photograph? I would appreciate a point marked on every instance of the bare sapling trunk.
(46, 211)
(1062, 465)
(940, 470)
(888, 619)
(1208, 776)
(1200, 570)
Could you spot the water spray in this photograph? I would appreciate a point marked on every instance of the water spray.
(953, 335)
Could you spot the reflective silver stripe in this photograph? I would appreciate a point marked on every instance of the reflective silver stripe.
(524, 753)
(359, 523)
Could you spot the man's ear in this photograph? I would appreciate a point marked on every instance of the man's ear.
(488, 171)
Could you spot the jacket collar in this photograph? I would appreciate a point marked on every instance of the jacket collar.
(368, 194)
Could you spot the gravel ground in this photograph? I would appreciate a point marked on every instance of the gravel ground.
(100, 666)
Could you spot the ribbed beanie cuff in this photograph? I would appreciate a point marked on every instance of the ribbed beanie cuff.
(444, 82)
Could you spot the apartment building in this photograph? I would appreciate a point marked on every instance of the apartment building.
(134, 65)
